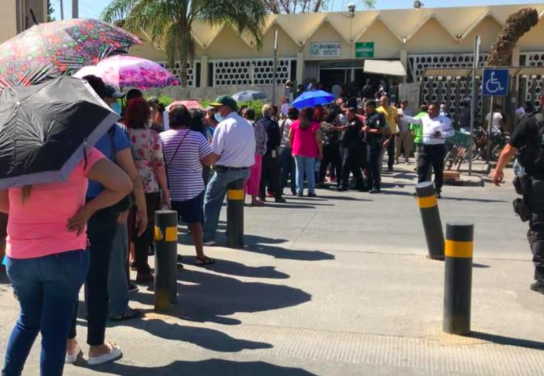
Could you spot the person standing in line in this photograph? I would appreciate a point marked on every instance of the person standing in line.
(374, 130)
(47, 271)
(351, 147)
(495, 121)
(101, 232)
(305, 136)
(331, 148)
(286, 151)
(150, 164)
(271, 167)
(436, 128)
(367, 93)
(416, 131)
(253, 186)
(185, 151)
(119, 285)
(391, 117)
(404, 137)
(233, 146)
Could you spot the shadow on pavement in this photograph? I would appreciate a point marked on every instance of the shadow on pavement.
(343, 198)
(470, 199)
(240, 270)
(210, 367)
(508, 341)
(287, 206)
(206, 338)
(262, 245)
(211, 297)
(405, 175)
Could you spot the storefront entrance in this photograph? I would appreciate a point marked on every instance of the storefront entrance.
(343, 73)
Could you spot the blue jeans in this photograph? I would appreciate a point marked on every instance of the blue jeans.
(117, 276)
(47, 289)
(305, 166)
(214, 197)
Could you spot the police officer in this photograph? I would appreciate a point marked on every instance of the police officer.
(527, 142)
(351, 149)
(374, 129)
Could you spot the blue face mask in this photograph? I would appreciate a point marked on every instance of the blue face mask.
(116, 107)
(218, 117)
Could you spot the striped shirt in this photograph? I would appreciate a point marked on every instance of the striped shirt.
(184, 168)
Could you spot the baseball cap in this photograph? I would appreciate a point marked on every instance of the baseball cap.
(110, 92)
(225, 100)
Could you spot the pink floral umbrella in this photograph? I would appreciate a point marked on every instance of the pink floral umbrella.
(188, 103)
(129, 71)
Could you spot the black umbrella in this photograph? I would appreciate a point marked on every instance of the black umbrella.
(46, 129)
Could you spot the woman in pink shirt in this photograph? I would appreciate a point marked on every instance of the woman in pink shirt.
(305, 138)
(47, 259)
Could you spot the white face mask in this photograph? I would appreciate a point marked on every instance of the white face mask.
(150, 123)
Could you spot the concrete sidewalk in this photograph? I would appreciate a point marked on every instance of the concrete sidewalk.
(338, 286)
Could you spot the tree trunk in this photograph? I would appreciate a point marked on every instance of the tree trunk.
(517, 24)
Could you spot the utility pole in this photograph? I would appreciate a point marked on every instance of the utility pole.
(61, 9)
(75, 8)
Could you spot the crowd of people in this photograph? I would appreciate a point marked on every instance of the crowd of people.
(181, 159)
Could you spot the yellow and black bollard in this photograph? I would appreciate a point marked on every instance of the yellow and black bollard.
(432, 225)
(458, 280)
(166, 251)
(235, 214)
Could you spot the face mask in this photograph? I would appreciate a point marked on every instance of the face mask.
(149, 123)
(218, 117)
(116, 107)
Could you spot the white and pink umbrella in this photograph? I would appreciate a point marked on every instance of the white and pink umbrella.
(129, 71)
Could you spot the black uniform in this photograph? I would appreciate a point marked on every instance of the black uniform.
(528, 138)
(271, 167)
(351, 150)
(374, 142)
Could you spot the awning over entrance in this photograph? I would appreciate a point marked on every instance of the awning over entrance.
(386, 67)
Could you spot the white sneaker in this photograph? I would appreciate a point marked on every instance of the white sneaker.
(113, 355)
(72, 358)
(210, 243)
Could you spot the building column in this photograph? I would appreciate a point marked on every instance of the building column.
(300, 67)
(404, 61)
(204, 79)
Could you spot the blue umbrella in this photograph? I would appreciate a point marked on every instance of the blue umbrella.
(313, 98)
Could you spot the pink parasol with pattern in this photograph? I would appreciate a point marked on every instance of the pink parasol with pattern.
(130, 71)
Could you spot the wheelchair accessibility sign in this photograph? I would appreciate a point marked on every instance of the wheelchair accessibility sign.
(495, 82)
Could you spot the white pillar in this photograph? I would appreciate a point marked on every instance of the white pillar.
(204, 79)
(404, 61)
(300, 66)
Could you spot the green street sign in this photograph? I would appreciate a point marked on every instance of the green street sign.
(364, 49)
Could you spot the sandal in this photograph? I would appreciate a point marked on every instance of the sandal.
(130, 314)
(204, 261)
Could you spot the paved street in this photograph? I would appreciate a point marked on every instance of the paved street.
(338, 286)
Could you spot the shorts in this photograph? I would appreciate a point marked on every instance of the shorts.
(190, 211)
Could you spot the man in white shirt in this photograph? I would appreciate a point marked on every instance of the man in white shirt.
(436, 128)
(234, 147)
(497, 120)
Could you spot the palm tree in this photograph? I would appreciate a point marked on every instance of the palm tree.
(169, 22)
(517, 24)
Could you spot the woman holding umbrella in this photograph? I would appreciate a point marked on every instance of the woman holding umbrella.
(46, 246)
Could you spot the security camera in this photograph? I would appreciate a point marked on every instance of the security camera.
(418, 4)
(351, 8)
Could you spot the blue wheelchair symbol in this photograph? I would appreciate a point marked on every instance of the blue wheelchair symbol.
(495, 82)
